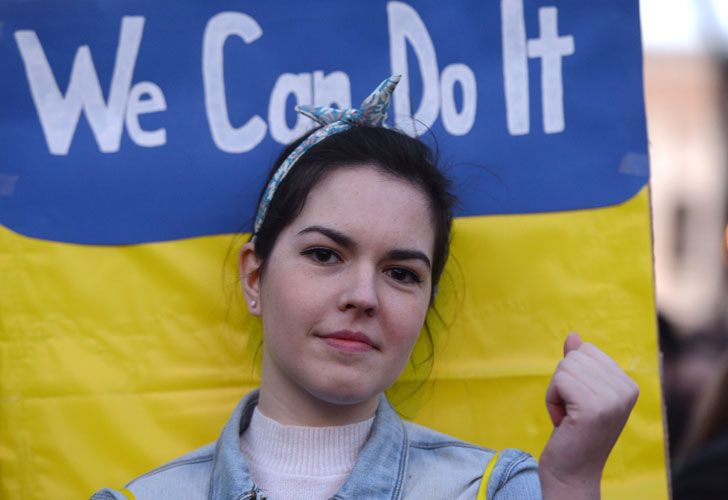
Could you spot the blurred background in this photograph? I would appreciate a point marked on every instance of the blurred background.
(686, 93)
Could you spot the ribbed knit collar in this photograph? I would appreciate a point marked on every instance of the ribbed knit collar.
(304, 451)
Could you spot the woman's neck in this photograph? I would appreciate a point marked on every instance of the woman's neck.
(286, 402)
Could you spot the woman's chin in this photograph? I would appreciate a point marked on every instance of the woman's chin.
(346, 394)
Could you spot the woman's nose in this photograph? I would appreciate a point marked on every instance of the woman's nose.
(359, 292)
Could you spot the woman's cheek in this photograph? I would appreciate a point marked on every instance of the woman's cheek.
(407, 320)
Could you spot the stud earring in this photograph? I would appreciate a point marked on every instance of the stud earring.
(253, 303)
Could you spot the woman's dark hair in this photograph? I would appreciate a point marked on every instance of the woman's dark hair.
(389, 151)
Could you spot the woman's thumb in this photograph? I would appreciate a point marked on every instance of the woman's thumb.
(572, 342)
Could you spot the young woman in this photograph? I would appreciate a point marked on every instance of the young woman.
(350, 240)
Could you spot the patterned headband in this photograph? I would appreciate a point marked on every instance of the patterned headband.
(372, 113)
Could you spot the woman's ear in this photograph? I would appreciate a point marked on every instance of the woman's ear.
(249, 268)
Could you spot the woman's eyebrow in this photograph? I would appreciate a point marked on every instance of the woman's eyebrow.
(332, 234)
(349, 244)
(404, 254)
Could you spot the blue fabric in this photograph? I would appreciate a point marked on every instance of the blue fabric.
(399, 460)
(190, 184)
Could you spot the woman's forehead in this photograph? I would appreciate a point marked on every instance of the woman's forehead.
(368, 203)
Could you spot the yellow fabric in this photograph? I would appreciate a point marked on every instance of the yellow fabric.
(128, 494)
(483, 490)
(116, 359)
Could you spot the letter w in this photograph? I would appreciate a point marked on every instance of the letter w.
(59, 114)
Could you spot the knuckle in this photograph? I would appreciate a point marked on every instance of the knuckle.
(563, 364)
(635, 394)
(575, 356)
(632, 389)
(559, 368)
(558, 377)
(588, 346)
(635, 388)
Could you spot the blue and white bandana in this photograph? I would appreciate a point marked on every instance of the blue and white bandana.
(372, 113)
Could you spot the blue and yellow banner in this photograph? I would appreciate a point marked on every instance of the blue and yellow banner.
(135, 137)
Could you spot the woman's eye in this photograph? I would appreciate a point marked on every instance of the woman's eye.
(403, 275)
(322, 255)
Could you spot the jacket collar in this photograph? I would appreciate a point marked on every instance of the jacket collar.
(230, 478)
(379, 470)
(377, 473)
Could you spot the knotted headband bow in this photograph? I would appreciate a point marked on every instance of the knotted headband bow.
(372, 113)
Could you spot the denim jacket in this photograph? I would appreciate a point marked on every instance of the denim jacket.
(400, 460)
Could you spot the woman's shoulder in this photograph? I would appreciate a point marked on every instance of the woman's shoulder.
(187, 476)
(423, 437)
(445, 464)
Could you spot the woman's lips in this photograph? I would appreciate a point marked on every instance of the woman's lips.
(349, 341)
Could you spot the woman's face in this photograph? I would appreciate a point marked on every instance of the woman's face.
(346, 288)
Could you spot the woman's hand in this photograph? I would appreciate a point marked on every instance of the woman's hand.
(589, 400)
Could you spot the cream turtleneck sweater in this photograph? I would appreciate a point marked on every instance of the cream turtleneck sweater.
(306, 463)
